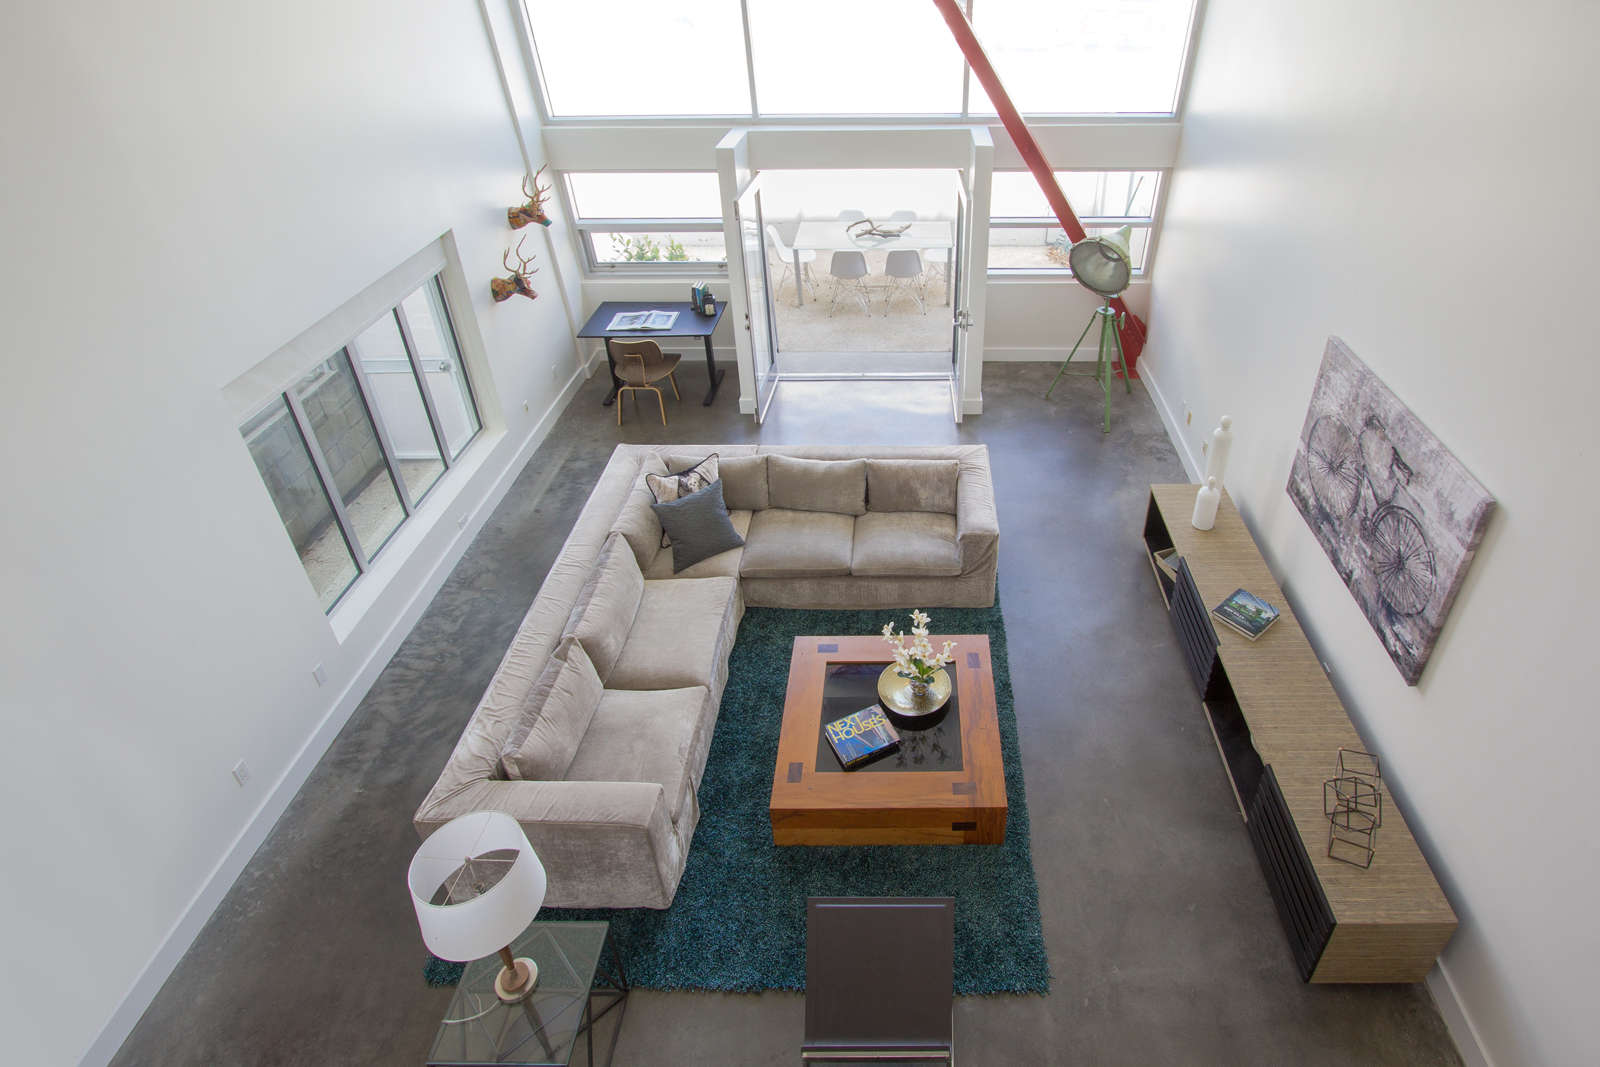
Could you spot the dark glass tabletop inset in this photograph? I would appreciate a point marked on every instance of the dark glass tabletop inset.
(850, 687)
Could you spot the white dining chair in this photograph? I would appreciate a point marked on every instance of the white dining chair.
(786, 253)
(849, 271)
(904, 269)
(903, 216)
(850, 214)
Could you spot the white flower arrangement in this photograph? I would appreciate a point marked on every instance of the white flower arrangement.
(916, 659)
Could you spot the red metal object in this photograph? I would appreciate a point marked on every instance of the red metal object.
(1132, 329)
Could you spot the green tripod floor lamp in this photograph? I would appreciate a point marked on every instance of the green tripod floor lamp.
(1102, 265)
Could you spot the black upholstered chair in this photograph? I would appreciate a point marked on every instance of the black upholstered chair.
(880, 979)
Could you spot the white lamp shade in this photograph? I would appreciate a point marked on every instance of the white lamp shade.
(483, 924)
(1103, 264)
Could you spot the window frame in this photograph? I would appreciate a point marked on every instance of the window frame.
(1150, 223)
(966, 117)
(301, 421)
(588, 228)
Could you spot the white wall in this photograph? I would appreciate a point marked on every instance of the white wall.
(188, 187)
(1350, 169)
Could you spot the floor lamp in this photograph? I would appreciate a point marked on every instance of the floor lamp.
(476, 884)
(1103, 266)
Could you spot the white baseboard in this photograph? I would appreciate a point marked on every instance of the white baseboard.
(222, 877)
(1152, 383)
(1456, 1019)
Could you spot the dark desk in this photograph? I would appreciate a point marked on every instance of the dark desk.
(690, 324)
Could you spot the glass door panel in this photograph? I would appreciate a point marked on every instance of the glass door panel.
(758, 294)
(960, 293)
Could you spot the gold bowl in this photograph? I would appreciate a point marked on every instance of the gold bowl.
(895, 692)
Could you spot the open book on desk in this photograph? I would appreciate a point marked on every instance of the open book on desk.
(643, 320)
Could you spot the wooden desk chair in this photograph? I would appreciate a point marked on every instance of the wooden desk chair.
(640, 364)
(880, 979)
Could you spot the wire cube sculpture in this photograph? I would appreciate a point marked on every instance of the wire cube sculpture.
(1353, 802)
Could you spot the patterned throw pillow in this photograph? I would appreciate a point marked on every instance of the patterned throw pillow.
(674, 486)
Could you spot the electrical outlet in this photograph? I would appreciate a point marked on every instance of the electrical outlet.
(319, 674)
(241, 773)
(1188, 416)
(525, 406)
(555, 372)
(1204, 447)
(461, 521)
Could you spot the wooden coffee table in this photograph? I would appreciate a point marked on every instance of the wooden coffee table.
(945, 786)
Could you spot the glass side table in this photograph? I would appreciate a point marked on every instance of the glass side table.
(543, 1030)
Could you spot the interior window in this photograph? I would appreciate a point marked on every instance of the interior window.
(844, 57)
(677, 58)
(1112, 57)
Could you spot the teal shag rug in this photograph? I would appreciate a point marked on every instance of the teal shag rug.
(738, 922)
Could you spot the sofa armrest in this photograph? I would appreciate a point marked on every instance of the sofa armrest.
(603, 844)
(977, 525)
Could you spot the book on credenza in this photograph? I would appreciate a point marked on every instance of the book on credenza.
(860, 736)
(643, 320)
(1246, 613)
(1167, 560)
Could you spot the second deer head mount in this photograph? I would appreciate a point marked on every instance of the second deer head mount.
(533, 210)
(520, 279)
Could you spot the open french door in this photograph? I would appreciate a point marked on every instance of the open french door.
(752, 271)
(960, 293)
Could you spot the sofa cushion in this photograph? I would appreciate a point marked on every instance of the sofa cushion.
(782, 543)
(644, 737)
(744, 480)
(905, 543)
(635, 520)
(722, 565)
(605, 609)
(554, 718)
(684, 629)
(836, 485)
(912, 485)
(679, 483)
(698, 525)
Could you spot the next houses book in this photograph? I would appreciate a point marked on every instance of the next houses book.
(860, 736)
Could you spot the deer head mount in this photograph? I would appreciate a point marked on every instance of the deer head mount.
(520, 279)
(533, 210)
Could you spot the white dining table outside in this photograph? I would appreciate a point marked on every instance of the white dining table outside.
(831, 235)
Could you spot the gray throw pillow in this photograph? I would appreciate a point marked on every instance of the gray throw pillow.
(698, 525)
(669, 487)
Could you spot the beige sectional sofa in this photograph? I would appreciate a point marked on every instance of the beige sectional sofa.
(594, 730)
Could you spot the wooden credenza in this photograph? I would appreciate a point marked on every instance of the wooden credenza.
(1279, 725)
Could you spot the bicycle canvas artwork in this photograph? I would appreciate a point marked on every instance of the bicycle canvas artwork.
(1395, 511)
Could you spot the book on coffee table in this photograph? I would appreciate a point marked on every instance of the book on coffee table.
(860, 736)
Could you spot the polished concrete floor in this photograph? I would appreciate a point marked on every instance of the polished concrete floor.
(1163, 941)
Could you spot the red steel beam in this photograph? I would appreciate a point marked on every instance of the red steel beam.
(1132, 329)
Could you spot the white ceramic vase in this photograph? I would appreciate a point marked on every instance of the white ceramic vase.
(1205, 505)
